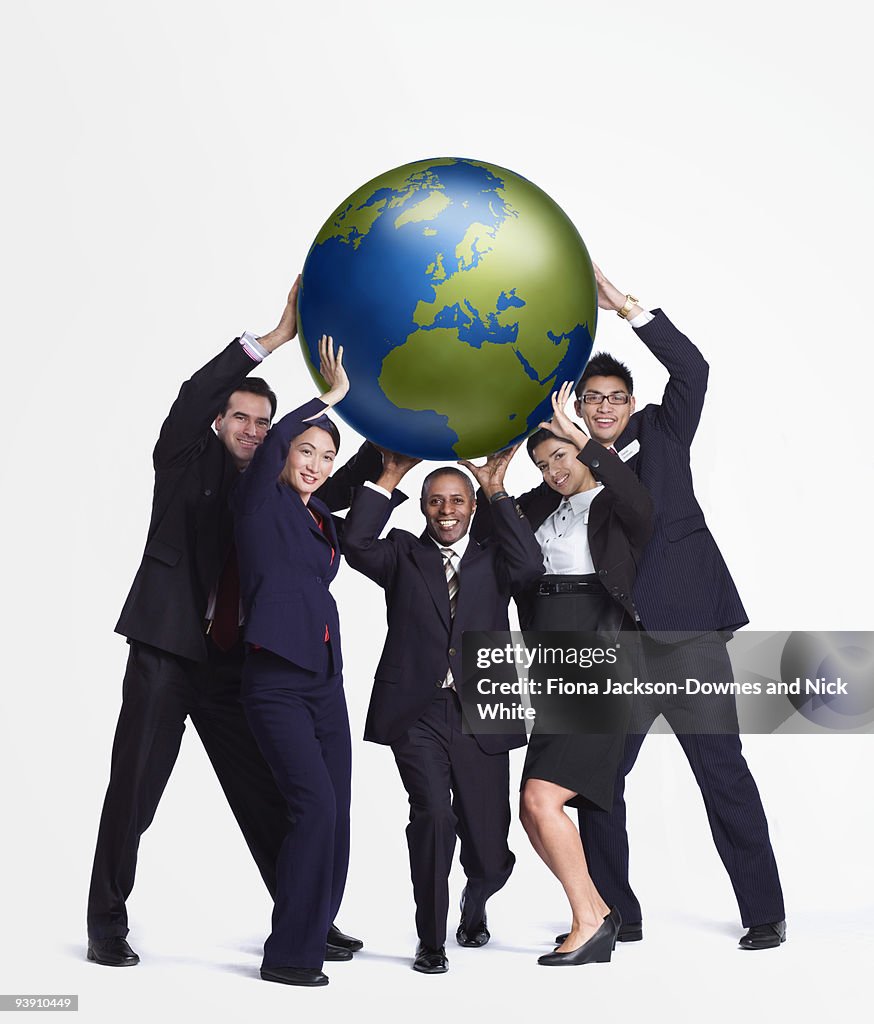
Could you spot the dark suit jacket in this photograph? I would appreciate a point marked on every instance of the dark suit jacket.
(423, 641)
(620, 523)
(191, 526)
(286, 561)
(683, 584)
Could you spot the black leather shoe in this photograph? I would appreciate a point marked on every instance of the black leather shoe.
(430, 960)
(627, 933)
(114, 952)
(764, 936)
(596, 950)
(337, 938)
(309, 976)
(475, 933)
(336, 954)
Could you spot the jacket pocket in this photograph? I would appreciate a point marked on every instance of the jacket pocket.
(162, 552)
(680, 528)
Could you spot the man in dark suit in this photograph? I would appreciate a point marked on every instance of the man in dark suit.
(437, 586)
(181, 619)
(687, 606)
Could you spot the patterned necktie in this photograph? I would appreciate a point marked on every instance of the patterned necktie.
(452, 586)
(451, 579)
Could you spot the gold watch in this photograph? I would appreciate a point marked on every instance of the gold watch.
(630, 300)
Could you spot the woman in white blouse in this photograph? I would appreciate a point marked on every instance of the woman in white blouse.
(591, 544)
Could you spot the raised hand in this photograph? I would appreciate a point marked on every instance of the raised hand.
(395, 467)
(561, 424)
(331, 368)
(609, 296)
(490, 476)
(286, 329)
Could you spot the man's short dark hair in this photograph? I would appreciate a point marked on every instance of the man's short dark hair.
(539, 436)
(254, 386)
(602, 364)
(453, 470)
(329, 426)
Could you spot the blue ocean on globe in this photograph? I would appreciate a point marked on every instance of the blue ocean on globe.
(463, 297)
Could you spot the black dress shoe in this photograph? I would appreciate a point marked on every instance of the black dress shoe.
(336, 954)
(596, 950)
(337, 938)
(764, 936)
(475, 933)
(309, 976)
(431, 960)
(114, 952)
(632, 932)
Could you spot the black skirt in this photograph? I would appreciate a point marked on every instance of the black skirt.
(586, 764)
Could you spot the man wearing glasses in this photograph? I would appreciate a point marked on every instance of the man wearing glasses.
(688, 607)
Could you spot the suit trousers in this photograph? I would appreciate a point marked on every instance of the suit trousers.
(300, 723)
(454, 789)
(731, 797)
(160, 691)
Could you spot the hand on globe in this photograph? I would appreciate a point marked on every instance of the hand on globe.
(331, 369)
(395, 467)
(286, 329)
(490, 475)
(561, 424)
(609, 296)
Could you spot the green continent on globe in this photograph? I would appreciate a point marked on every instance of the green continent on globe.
(463, 296)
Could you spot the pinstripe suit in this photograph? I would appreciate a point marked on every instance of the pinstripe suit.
(688, 604)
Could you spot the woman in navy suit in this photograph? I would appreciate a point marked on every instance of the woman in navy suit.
(292, 689)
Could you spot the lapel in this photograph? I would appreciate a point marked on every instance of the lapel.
(429, 562)
(474, 565)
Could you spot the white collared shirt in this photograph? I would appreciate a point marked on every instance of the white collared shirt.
(564, 538)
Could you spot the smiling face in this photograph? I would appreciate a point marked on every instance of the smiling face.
(310, 462)
(562, 471)
(448, 505)
(243, 425)
(605, 422)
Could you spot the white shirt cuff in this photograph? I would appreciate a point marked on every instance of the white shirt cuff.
(642, 318)
(252, 348)
(376, 487)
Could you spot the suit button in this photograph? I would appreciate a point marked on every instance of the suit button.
(439, 684)
(594, 464)
(207, 493)
(614, 590)
(452, 652)
(318, 579)
(602, 572)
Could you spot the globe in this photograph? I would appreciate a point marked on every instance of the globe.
(462, 295)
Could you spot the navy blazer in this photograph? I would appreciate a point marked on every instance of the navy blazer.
(423, 641)
(286, 564)
(683, 584)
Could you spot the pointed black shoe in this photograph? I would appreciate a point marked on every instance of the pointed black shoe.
(431, 960)
(337, 938)
(114, 952)
(596, 950)
(475, 933)
(764, 936)
(307, 976)
(337, 954)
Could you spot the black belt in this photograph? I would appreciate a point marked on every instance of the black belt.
(547, 587)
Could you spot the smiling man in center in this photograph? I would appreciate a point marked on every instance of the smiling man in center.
(437, 586)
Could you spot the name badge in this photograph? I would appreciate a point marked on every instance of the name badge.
(629, 450)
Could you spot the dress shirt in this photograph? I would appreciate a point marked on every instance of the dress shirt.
(564, 538)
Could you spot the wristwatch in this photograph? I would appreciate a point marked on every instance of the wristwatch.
(630, 300)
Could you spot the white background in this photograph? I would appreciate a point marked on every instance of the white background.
(165, 168)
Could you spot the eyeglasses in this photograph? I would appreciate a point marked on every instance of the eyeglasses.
(614, 398)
